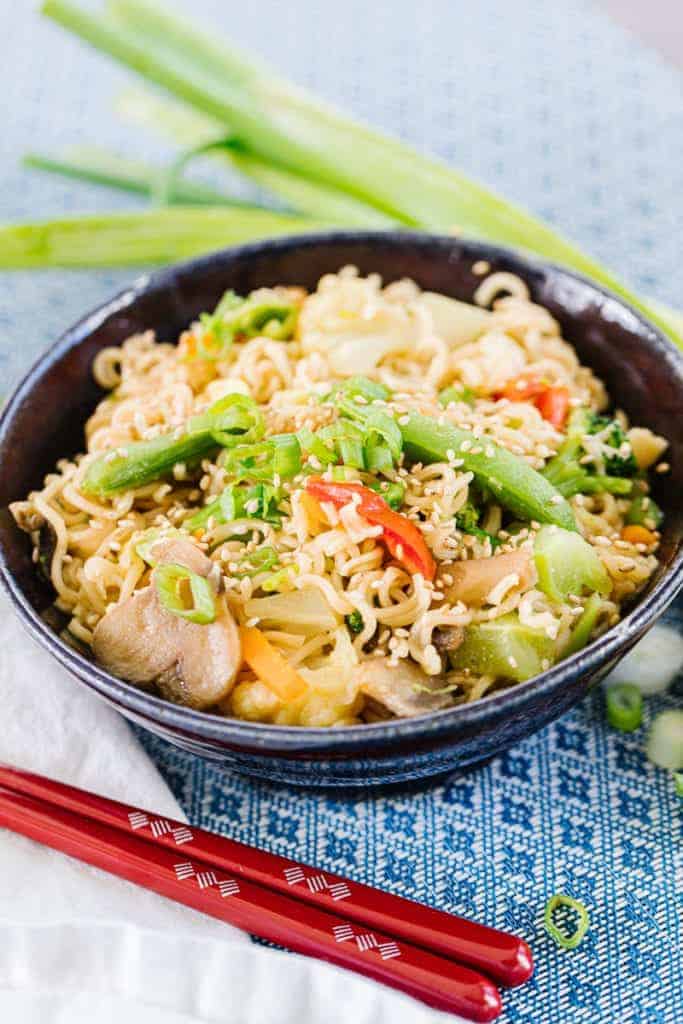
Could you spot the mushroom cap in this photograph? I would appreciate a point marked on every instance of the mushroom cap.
(401, 688)
(142, 642)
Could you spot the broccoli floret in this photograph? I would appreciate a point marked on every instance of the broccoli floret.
(617, 465)
(566, 472)
(467, 520)
(355, 622)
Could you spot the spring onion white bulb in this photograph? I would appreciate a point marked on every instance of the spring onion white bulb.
(665, 742)
(653, 664)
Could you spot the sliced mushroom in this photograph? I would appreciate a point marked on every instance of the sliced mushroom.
(403, 690)
(144, 643)
(473, 581)
(448, 638)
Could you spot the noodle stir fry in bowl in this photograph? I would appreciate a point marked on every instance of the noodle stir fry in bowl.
(348, 500)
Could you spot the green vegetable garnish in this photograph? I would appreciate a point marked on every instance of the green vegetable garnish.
(455, 394)
(568, 564)
(393, 493)
(618, 464)
(353, 387)
(239, 501)
(642, 511)
(355, 621)
(257, 561)
(665, 742)
(581, 633)
(624, 706)
(235, 317)
(185, 594)
(149, 538)
(678, 783)
(467, 521)
(561, 938)
(279, 455)
(566, 472)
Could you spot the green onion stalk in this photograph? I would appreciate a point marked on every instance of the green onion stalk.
(272, 128)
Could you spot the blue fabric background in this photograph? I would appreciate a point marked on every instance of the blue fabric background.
(556, 107)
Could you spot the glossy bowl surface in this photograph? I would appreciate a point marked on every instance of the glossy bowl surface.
(43, 420)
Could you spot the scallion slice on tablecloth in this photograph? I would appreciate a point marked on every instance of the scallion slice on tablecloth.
(559, 936)
(624, 703)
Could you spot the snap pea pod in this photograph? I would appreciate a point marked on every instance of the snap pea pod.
(510, 479)
(229, 421)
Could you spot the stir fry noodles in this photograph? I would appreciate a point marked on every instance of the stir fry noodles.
(364, 502)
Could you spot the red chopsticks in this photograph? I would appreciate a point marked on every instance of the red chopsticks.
(274, 897)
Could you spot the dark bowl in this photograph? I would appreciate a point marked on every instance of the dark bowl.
(642, 370)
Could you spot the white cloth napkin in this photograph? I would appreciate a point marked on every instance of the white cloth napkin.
(76, 942)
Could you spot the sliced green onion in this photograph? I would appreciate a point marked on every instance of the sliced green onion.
(359, 386)
(454, 394)
(561, 938)
(172, 582)
(665, 742)
(312, 445)
(281, 581)
(678, 783)
(624, 707)
(354, 620)
(239, 502)
(348, 440)
(233, 419)
(149, 538)
(341, 473)
(279, 455)
(257, 561)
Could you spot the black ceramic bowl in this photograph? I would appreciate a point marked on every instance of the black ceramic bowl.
(643, 372)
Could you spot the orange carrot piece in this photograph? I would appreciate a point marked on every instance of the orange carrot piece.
(270, 667)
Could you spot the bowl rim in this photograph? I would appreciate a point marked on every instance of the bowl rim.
(287, 739)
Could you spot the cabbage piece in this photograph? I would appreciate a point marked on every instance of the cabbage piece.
(457, 323)
(299, 611)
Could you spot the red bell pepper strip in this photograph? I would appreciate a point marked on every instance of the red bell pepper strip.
(551, 402)
(401, 536)
(553, 406)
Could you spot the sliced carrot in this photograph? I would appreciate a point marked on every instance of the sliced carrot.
(269, 666)
(635, 534)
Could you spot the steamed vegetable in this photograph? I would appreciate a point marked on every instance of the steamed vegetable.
(401, 536)
(269, 666)
(238, 502)
(505, 648)
(583, 628)
(262, 313)
(226, 422)
(568, 564)
(299, 611)
(570, 475)
(512, 481)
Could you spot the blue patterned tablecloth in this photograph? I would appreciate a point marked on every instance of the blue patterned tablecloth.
(556, 107)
